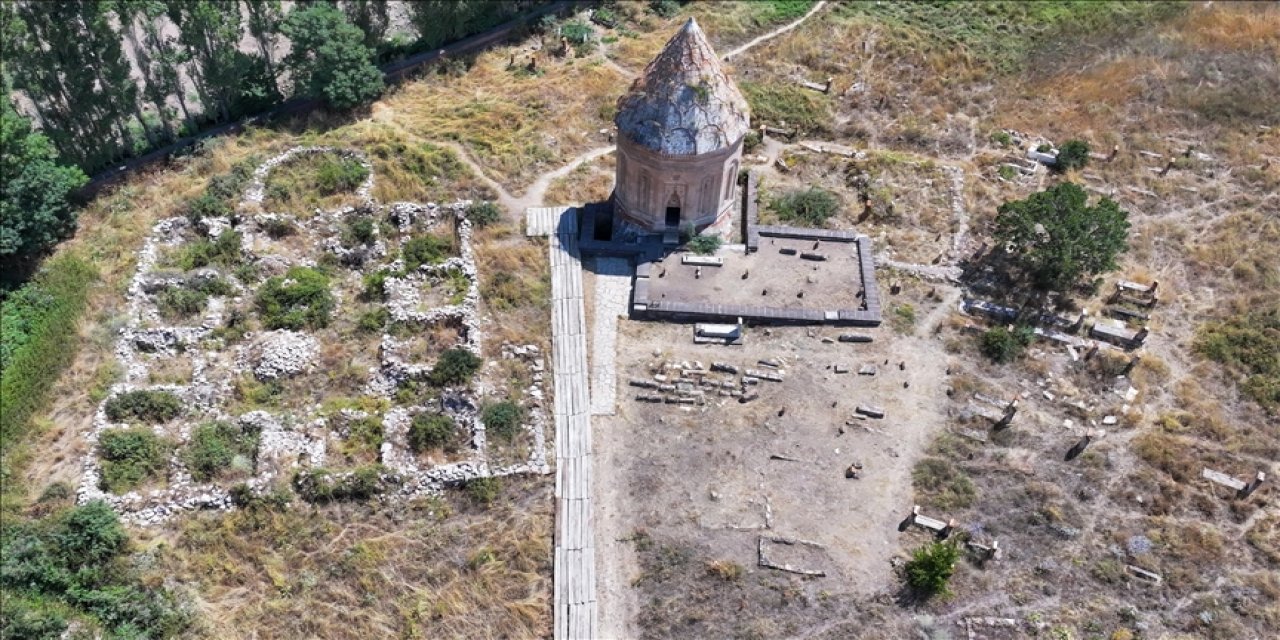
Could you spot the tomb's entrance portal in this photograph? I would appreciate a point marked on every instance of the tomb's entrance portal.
(673, 216)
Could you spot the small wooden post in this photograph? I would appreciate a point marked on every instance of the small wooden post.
(1253, 486)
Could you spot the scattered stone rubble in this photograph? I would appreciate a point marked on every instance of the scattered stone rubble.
(692, 383)
(280, 354)
(289, 441)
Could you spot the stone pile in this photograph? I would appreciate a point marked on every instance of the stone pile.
(691, 383)
(283, 353)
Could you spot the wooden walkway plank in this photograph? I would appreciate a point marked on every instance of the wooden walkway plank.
(574, 561)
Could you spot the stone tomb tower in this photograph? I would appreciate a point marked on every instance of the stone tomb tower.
(680, 132)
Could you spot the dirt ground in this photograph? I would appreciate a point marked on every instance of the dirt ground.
(722, 475)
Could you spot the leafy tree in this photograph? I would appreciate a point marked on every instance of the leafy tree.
(265, 17)
(230, 82)
(372, 17)
(34, 211)
(455, 366)
(66, 56)
(931, 567)
(1074, 154)
(441, 21)
(329, 58)
(1057, 238)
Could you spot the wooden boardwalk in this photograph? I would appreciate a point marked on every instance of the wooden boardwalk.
(574, 600)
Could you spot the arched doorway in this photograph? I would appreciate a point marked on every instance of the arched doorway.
(673, 210)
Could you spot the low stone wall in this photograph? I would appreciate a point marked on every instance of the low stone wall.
(291, 440)
(644, 307)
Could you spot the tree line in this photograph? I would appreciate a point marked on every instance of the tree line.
(108, 79)
(89, 83)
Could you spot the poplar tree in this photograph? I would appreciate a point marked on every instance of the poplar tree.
(265, 17)
(372, 17)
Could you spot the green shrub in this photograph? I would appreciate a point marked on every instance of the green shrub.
(1002, 345)
(1074, 154)
(38, 339)
(1002, 138)
(180, 302)
(25, 618)
(359, 230)
(483, 214)
(374, 286)
(299, 299)
(217, 447)
(335, 174)
(502, 420)
(1249, 346)
(576, 31)
(426, 249)
(322, 485)
(483, 491)
(219, 197)
(373, 321)
(806, 111)
(931, 567)
(942, 484)
(189, 298)
(812, 206)
(278, 227)
(455, 366)
(206, 205)
(664, 8)
(364, 437)
(144, 405)
(69, 564)
(433, 431)
(704, 245)
(130, 457)
(223, 250)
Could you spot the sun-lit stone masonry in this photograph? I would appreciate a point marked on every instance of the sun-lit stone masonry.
(213, 365)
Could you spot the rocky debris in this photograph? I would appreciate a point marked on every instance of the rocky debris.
(283, 353)
(300, 439)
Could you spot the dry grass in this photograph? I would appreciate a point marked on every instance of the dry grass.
(439, 569)
(589, 182)
(513, 124)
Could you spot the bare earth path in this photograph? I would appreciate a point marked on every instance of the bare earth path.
(776, 32)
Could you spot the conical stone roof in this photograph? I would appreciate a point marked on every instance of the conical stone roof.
(684, 103)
